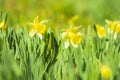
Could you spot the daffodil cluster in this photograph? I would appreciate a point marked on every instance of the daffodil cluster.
(37, 28)
(71, 37)
(113, 29)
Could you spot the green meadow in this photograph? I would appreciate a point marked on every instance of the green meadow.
(59, 40)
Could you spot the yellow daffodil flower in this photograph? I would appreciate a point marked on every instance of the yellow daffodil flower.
(37, 28)
(105, 71)
(71, 37)
(111, 26)
(100, 31)
(72, 20)
(114, 27)
(2, 25)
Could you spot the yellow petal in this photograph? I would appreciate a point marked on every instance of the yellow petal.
(67, 34)
(74, 45)
(39, 35)
(41, 29)
(100, 31)
(36, 20)
(67, 44)
(111, 25)
(76, 39)
(105, 71)
(43, 21)
(117, 30)
(2, 25)
(115, 36)
(63, 35)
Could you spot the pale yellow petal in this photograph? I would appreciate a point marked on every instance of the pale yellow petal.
(36, 20)
(43, 21)
(111, 25)
(32, 32)
(108, 30)
(30, 24)
(63, 35)
(115, 36)
(74, 45)
(67, 44)
(39, 35)
(107, 21)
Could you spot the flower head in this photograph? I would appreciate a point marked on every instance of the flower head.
(114, 27)
(71, 37)
(111, 25)
(105, 71)
(100, 31)
(37, 28)
(2, 25)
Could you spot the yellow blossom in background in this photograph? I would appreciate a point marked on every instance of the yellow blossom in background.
(72, 20)
(114, 27)
(111, 25)
(2, 25)
(105, 71)
(117, 30)
(71, 37)
(37, 28)
(100, 31)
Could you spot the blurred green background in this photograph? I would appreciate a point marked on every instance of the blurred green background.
(60, 11)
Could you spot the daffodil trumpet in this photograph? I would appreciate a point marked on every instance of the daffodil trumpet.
(101, 32)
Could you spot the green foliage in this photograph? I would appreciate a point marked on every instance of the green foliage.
(26, 58)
